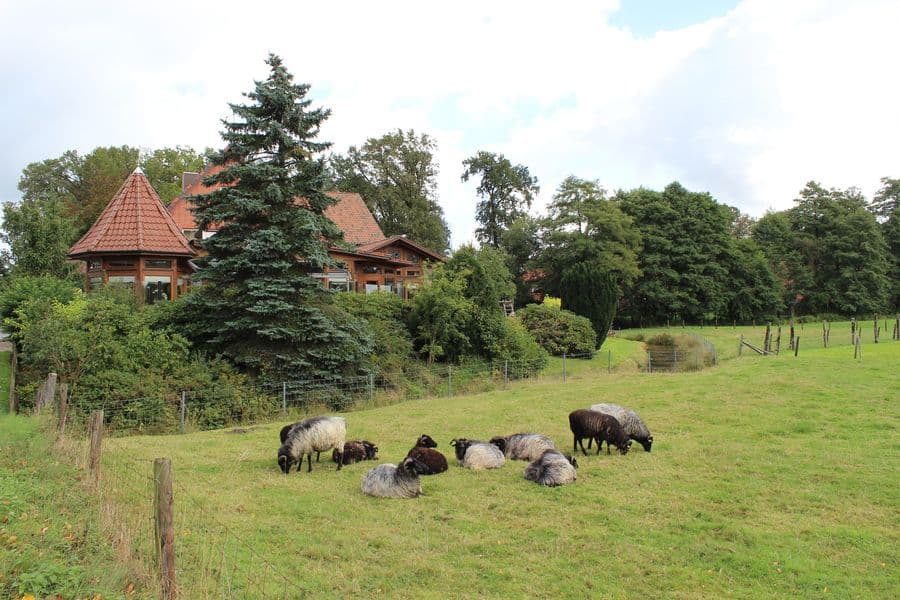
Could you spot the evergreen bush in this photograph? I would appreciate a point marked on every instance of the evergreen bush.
(558, 331)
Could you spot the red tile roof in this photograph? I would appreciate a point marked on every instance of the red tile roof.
(135, 221)
(403, 241)
(349, 213)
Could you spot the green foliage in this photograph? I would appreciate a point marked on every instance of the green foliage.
(589, 291)
(440, 317)
(165, 167)
(259, 306)
(584, 226)
(516, 346)
(754, 292)
(39, 234)
(17, 291)
(385, 317)
(886, 199)
(522, 244)
(558, 331)
(506, 192)
(396, 175)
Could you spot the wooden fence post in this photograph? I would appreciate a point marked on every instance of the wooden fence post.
(96, 445)
(63, 407)
(741, 345)
(797, 346)
(778, 342)
(165, 526)
(13, 367)
(824, 334)
(792, 335)
(449, 381)
(876, 329)
(564, 367)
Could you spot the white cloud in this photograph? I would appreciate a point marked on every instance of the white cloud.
(748, 106)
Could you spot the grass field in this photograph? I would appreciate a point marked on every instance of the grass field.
(769, 477)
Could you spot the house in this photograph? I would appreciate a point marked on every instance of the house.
(138, 241)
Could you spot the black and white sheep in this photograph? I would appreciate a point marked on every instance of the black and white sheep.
(283, 434)
(473, 454)
(523, 446)
(316, 434)
(424, 451)
(355, 451)
(597, 426)
(630, 422)
(394, 481)
(552, 468)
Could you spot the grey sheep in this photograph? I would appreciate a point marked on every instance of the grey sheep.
(283, 434)
(630, 421)
(394, 481)
(316, 434)
(523, 446)
(597, 426)
(355, 451)
(424, 451)
(552, 468)
(473, 454)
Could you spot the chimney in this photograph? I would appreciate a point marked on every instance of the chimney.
(188, 179)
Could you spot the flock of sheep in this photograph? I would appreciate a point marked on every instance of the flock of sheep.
(610, 423)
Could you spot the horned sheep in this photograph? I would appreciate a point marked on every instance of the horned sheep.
(316, 434)
(424, 451)
(356, 451)
(551, 468)
(597, 426)
(474, 454)
(523, 446)
(394, 481)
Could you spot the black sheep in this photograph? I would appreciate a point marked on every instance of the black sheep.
(599, 427)
(356, 451)
(424, 452)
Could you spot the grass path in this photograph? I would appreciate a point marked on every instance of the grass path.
(769, 477)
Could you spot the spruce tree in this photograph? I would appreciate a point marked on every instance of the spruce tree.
(587, 290)
(258, 304)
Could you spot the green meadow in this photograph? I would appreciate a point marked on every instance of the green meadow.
(769, 477)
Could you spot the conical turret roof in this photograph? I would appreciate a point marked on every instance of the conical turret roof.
(134, 222)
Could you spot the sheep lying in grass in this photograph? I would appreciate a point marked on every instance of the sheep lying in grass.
(395, 481)
(424, 451)
(317, 434)
(473, 454)
(523, 446)
(552, 468)
(597, 426)
(630, 422)
(356, 451)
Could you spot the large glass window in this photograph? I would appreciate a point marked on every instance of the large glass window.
(158, 263)
(125, 280)
(157, 287)
(96, 283)
(183, 285)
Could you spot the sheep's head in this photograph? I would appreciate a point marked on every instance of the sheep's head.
(500, 442)
(412, 464)
(425, 441)
(461, 445)
(572, 460)
(371, 450)
(285, 461)
(647, 443)
(624, 448)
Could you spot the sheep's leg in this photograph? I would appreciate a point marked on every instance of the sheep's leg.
(599, 444)
(579, 442)
(317, 456)
(309, 462)
(607, 447)
(340, 460)
(589, 442)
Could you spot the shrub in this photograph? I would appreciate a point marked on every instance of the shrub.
(17, 291)
(661, 339)
(385, 316)
(558, 331)
(516, 345)
(589, 291)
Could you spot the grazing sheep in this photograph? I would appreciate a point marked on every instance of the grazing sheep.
(598, 426)
(630, 422)
(523, 446)
(394, 481)
(283, 434)
(316, 434)
(355, 451)
(473, 454)
(425, 452)
(552, 468)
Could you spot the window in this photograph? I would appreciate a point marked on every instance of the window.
(388, 271)
(157, 263)
(412, 273)
(96, 283)
(413, 257)
(157, 288)
(371, 269)
(123, 280)
(182, 286)
(95, 264)
(339, 286)
(120, 263)
(371, 287)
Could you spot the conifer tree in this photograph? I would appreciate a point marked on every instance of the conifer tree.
(587, 290)
(259, 305)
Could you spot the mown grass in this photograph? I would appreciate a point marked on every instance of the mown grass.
(50, 542)
(769, 477)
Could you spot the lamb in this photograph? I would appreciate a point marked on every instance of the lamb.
(630, 422)
(473, 454)
(523, 446)
(355, 451)
(395, 481)
(316, 434)
(599, 426)
(552, 469)
(425, 452)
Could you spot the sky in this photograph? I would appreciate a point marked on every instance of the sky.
(747, 100)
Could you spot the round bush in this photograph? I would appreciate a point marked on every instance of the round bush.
(558, 331)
